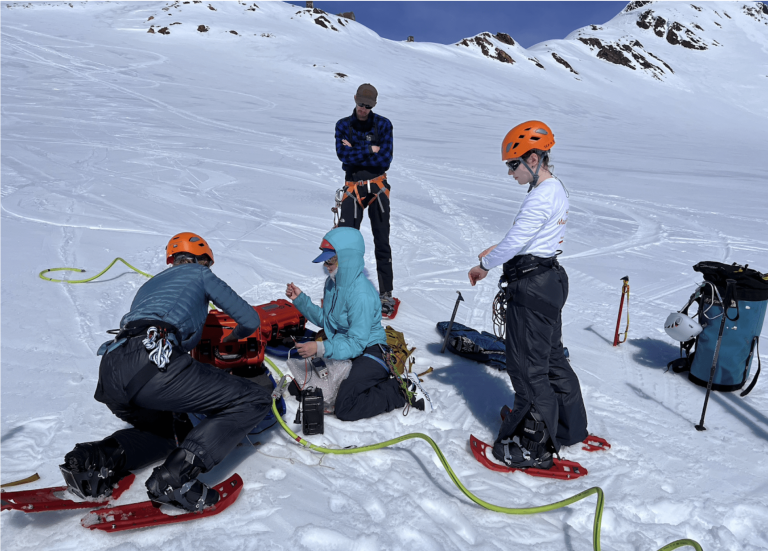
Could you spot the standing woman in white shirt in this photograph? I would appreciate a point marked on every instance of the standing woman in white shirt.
(548, 410)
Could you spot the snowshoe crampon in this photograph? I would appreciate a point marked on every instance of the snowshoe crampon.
(146, 513)
(562, 469)
(56, 498)
(595, 443)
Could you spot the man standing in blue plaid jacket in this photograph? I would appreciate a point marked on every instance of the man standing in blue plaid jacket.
(364, 147)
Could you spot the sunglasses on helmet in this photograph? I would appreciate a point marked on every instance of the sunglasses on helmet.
(513, 164)
(369, 107)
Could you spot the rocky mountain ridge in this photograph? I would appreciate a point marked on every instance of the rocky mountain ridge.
(642, 38)
(688, 26)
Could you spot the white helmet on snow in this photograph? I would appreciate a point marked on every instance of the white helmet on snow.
(681, 327)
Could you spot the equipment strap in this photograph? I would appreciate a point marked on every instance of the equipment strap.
(525, 269)
(379, 361)
(757, 374)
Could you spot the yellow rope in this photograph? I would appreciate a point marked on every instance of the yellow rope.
(145, 274)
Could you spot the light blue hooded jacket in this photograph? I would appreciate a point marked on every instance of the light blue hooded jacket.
(351, 312)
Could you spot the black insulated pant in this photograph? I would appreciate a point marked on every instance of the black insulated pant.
(232, 405)
(536, 363)
(368, 390)
(378, 213)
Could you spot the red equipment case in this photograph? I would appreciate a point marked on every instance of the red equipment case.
(280, 319)
(228, 355)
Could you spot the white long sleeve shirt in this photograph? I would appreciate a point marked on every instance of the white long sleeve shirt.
(539, 226)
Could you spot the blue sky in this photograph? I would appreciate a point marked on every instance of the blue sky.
(447, 22)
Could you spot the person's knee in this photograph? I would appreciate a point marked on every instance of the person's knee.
(256, 397)
(343, 406)
(344, 415)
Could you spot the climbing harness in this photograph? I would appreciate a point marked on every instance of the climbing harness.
(351, 189)
(521, 267)
(624, 291)
(455, 479)
(387, 361)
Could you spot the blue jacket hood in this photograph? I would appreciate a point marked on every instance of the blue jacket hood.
(350, 248)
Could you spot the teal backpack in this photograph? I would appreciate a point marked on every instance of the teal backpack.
(741, 333)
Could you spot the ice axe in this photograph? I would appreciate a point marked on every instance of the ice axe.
(624, 291)
(450, 324)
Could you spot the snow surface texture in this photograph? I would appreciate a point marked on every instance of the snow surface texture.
(115, 138)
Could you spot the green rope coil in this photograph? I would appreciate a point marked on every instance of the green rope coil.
(211, 305)
(508, 510)
(101, 273)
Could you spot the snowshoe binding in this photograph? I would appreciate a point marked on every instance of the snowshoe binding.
(389, 305)
(175, 483)
(92, 469)
(530, 446)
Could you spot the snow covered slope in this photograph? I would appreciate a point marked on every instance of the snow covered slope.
(114, 138)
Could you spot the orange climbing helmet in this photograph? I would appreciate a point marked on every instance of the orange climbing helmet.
(524, 137)
(187, 242)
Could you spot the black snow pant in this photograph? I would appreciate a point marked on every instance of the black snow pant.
(378, 213)
(536, 363)
(368, 390)
(232, 405)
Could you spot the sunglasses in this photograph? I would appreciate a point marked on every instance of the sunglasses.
(369, 107)
(512, 165)
(332, 260)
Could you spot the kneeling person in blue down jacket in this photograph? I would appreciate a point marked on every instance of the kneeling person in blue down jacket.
(148, 379)
(351, 319)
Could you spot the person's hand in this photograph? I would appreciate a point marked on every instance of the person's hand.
(476, 274)
(375, 148)
(229, 338)
(306, 349)
(486, 251)
(292, 292)
(346, 142)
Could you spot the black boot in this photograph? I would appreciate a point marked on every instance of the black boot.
(530, 446)
(93, 468)
(175, 482)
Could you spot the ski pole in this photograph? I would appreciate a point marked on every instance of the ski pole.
(450, 325)
(624, 291)
(729, 292)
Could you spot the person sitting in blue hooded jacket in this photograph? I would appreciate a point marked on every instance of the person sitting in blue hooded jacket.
(351, 319)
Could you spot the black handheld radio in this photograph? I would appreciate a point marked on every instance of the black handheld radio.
(312, 406)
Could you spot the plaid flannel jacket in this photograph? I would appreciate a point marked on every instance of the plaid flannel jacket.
(360, 156)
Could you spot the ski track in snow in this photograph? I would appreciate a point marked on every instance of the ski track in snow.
(114, 140)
